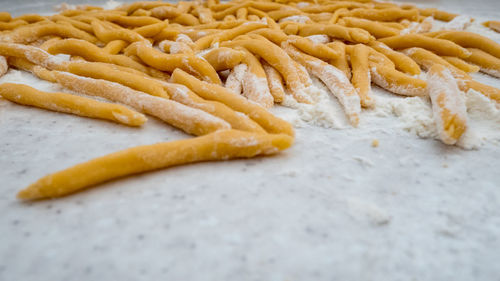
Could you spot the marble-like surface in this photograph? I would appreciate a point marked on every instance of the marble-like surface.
(331, 208)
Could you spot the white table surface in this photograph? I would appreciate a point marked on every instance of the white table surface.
(330, 208)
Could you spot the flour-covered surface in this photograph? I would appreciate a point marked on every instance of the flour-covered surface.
(333, 207)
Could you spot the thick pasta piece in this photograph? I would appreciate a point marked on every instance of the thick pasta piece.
(361, 78)
(377, 29)
(389, 14)
(461, 64)
(351, 34)
(111, 73)
(471, 40)
(396, 82)
(32, 54)
(237, 120)
(235, 78)
(279, 59)
(400, 60)
(494, 25)
(438, 46)
(28, 34)
(448, 104)
(224, 58)
(221, 145)
(190, 120)
(307, 46)
(229, 34)
(334, 79)
(275, 82)
(91, 52)
(489, 64)
(169, 62)
(266, 120)
(66, 103)
(107, 33)
(341, 62)
(254, 83)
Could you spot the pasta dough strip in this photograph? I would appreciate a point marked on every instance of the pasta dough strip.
(266, 120)
(221, 145)
(448, 104)
(66, 103)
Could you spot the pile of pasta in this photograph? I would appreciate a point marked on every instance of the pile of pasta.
(213, 69)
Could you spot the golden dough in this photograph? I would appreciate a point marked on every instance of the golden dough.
(151, 30)
(91, 52)
(254, 82)
(266, 120)
(170, 62)
(12, 24)
(27, 34)
(61, 102)
(186, 19)
(377, 29)
(448, 104)
(277, 58)
(437, 14)
(78, 24)
(361, 74)
(471, 40)
(461, 64)
(108, 33)
(190, 120)
(438, 46)
(314, 49)
(354, 35)
(488, 63)
(494, 25)
(397, 82)
(341, 62)
(275, 82)
(333, 78)
(114, 74)
(227, 35)
(114, 47)
(238, 121)
(5, 17)
(224, 58)
(216, 146)
(389, 14)
(32, 54)
(400, 60)
(173, 47)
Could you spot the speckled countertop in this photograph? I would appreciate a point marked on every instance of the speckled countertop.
(331, 208)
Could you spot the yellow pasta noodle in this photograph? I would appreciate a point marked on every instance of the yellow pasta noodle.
(27, 34)
(62, 102)
(334, 79)
(361, 74)
(401, 61)
(169, 62)
(489, 64)
(190, 120)
(354, 35)
(448, 105)
(439, 46)
(378, 30)
(216, 146)
(461, 64)
(275, 82)
(266, 120)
